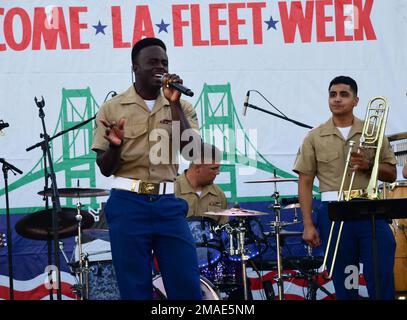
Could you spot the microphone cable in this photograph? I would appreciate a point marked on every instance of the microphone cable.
(258, 92)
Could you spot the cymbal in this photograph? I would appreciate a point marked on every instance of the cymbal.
(102, 234)
(237, 212)
(77, 192)
(292, 206)
(275, 179)
(38, 225)
(397, 136)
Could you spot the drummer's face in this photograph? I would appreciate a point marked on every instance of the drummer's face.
(208, 173)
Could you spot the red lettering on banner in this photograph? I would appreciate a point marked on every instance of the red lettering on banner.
(234, 23)
(321, 21)
(178, 23)
(196, 26)
(2, 45)
(363, 22)
(340, 20)
(215, 23)
(360, 21)
(296, 18)
(143, 26)
(257, 21)
(117, 29)
(76, 27)
(49, 29)
(9, 30)
(231, 23)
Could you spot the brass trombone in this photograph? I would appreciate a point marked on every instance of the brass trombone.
(371, 138)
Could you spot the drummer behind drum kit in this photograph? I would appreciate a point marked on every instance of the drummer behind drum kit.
(240, 240)
(223, 250)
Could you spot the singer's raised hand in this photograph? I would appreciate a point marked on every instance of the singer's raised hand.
(171, 94)
(114, 132)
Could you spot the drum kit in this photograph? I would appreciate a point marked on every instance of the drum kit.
(236, 242)
(240, 240)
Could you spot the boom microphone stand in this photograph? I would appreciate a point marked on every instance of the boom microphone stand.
(56, 205)
(282, 116)
(44, 144)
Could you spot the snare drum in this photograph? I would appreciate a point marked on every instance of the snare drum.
(398, 190)
(208, 289)
(208, 244)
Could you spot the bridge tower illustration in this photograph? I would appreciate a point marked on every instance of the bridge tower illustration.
(220, 122)
(71, 152)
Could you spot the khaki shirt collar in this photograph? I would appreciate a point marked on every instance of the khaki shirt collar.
(130, 96)
(185, 186)
(328, 128)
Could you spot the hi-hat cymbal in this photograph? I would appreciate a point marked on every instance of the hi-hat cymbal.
(38, 225)
(397, 136)
(77, 192)
(275, 179)
(237, 212)
(102, 234)
(292, 206)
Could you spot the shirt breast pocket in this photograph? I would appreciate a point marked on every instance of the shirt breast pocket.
(134, 131)
(328, 162)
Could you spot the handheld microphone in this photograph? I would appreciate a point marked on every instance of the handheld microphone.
(246, 103)
(3, 124)
(179, 87)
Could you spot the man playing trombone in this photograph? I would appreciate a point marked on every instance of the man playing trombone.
(323, 154)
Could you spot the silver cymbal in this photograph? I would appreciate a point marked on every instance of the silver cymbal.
(275, 179)
(76, 192)
(292, 206)
(237, 212)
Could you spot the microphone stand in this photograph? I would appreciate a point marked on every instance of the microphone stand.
(60, 133)
(56, 205)
(278, 116)
(6, 167)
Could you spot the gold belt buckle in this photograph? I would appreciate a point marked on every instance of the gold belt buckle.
(149, 188)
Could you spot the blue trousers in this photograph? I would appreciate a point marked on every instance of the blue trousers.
(140, 224)
(356, 246)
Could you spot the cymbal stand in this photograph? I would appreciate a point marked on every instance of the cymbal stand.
(83, 270)
(239, 231)
(277, 224)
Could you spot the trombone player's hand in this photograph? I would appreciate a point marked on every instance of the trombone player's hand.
(358, 161)
(311, 236)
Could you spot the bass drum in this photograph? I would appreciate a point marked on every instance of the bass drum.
(207, 288)
(399, 227)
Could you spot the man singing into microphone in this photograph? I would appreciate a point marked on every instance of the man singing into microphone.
(143, 214)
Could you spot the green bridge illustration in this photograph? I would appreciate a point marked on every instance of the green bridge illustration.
(78, 162)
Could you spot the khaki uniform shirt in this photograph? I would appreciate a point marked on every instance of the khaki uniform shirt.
(212, 198)
(323, 154)
(139, 125)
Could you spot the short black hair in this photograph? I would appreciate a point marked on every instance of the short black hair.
(345, 80)
(143, 43)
